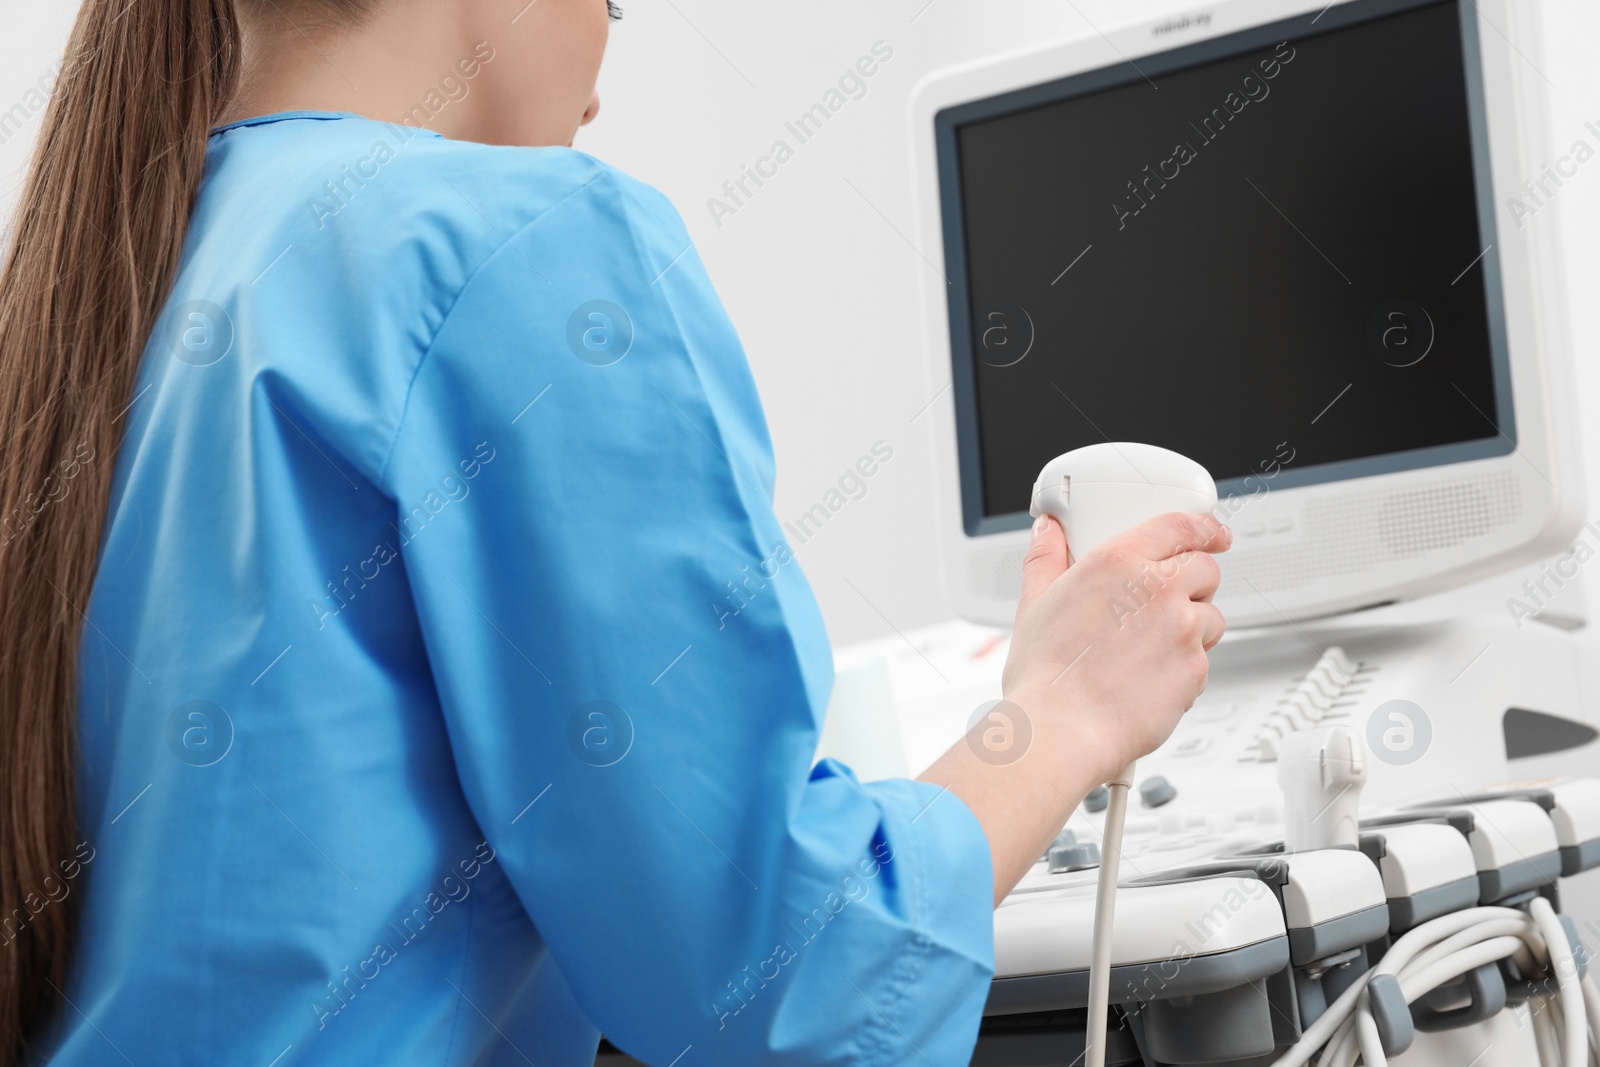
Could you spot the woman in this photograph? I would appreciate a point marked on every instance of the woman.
(370, 689)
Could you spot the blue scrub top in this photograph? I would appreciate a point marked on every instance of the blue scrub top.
(449, 692)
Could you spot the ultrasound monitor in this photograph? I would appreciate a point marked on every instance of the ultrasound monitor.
(1288, 240)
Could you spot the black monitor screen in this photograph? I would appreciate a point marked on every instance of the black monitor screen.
(1274, 260)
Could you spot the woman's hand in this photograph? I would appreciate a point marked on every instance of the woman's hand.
(1111, 652)
(1106, 656)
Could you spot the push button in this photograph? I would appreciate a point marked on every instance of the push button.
(1156, 792)
(1064, 858)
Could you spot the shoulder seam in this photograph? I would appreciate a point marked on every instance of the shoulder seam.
(455, 301)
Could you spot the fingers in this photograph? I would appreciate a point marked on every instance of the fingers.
(1196, 574)
(1175, 533)
(1212, 624)
(1046, 559)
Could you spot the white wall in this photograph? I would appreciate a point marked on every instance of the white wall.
(817, 268)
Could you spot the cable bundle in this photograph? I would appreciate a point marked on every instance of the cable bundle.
(1437, 953)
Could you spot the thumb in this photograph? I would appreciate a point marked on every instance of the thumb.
(1046, 559)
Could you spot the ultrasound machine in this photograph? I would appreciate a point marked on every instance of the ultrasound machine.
(1314, 247)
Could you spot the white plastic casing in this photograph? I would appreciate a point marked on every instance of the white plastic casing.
(1577, 813)
(1422, 856)
(1508, 831)
(1329, 884)
(1101, 490)
(1321, 772)
(1050, 932)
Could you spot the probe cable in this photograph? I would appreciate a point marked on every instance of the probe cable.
(1442, 950)
(1105, 908)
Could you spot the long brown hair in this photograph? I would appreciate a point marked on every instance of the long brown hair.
(94, 247)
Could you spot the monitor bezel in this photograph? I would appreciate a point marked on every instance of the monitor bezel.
(947, 122)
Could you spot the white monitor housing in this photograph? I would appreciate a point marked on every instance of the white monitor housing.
(1348, 311)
